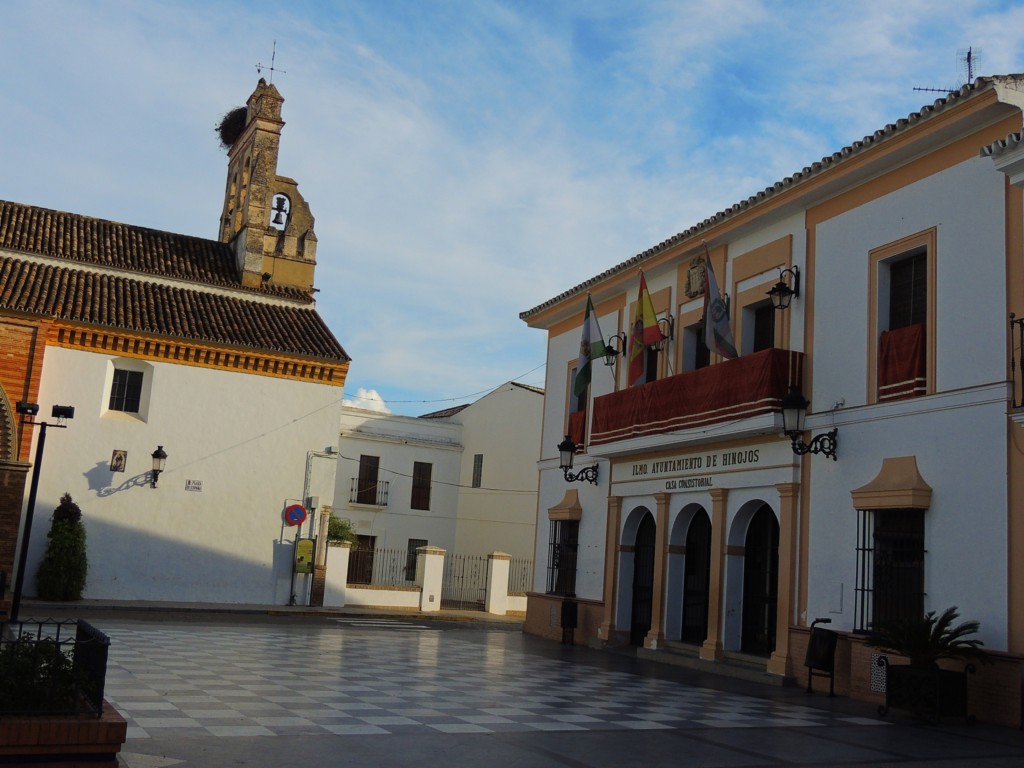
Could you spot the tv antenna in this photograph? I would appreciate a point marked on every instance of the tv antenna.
(261, 67)
(967, 59)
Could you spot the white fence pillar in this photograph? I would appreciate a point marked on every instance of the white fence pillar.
(496, 600)
(336, 580)
(430, 577)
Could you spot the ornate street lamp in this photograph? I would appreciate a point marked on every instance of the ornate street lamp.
(159, 460)
(794, 410)
(566, 453)
(782, 294)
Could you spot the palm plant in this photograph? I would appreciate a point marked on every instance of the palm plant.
(926, 640)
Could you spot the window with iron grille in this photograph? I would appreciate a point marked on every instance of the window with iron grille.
(410, 561)
(890, 567)
(562, 547)
(126, 391)
(478, 470)
(420, 485)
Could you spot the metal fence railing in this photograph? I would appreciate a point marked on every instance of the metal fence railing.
(384, 567)
(464, 584)
(52, 667)
(520, 576)
(374, 494)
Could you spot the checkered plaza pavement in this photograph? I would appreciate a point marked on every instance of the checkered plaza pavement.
(380, 677)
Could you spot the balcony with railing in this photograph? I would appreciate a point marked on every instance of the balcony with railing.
(371, 494)
(744, 393)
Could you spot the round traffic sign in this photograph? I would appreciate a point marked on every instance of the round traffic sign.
(295, 514)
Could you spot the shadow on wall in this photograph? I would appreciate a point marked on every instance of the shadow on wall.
(134, 563)
(101, 480)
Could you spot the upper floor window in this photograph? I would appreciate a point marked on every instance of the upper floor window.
(902, 350)
(759, 327)
(368, 488)
(478, 470)
(128, 387)
(126, 391)
(420, 485)
(696, 354)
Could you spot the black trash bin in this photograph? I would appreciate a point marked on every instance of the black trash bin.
(821, 655)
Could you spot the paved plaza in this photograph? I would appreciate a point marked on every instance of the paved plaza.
(404, 691)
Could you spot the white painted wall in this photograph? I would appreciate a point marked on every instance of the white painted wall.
(504, 426)
(400, 441)
(957, 435)
(244, 436)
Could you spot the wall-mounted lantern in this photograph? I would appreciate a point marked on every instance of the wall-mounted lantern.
(566, 454)
(783, 293)
(159, 460)
(794, 410)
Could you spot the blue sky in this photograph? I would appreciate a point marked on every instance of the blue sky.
(465, 160)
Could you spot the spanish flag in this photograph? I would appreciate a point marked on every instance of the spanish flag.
(644, 332)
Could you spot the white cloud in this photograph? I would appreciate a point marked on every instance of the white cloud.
(469, 160)
(368, 400)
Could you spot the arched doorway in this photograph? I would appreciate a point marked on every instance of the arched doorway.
(643, 581)
(697, 580)
(760, 583)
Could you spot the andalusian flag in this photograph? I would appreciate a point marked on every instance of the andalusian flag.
(717, 333)
(591, 348)
(645, 331)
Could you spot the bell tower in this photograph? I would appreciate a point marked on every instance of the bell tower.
(265, 218)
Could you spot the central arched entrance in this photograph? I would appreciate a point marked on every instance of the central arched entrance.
(643, 581)
(760, 583)
(697, 580)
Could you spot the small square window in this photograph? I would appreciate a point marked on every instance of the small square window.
(126, 391)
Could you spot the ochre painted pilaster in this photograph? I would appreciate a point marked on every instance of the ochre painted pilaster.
(611, 567)
(656, 634)
(779, 662)
(711, 650)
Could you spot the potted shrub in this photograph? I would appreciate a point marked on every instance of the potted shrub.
(64, 566)
(340, 530)
(921, 685)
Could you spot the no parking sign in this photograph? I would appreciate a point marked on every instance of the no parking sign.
(295, 514)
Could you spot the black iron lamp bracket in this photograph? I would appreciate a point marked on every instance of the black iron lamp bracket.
(585, 475)
(825, 444)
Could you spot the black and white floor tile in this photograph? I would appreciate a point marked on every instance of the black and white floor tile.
(390, 677)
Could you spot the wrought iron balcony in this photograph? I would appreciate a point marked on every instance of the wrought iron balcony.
(731, 391)
(373, 494)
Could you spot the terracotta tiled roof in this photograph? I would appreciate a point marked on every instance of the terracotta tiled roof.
(109, 244)
(446, 413)
(131, 304)
(808, 172)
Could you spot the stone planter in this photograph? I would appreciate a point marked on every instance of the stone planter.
(63, 741)
(931, 693)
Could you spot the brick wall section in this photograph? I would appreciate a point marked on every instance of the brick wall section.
(994, 691)
(316, 591)
(538, 621)
(22, 346)
(12, 489)
(63, 741)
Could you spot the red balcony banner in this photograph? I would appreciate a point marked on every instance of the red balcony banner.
(732, 390)
(578, 427)
(901, 363)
